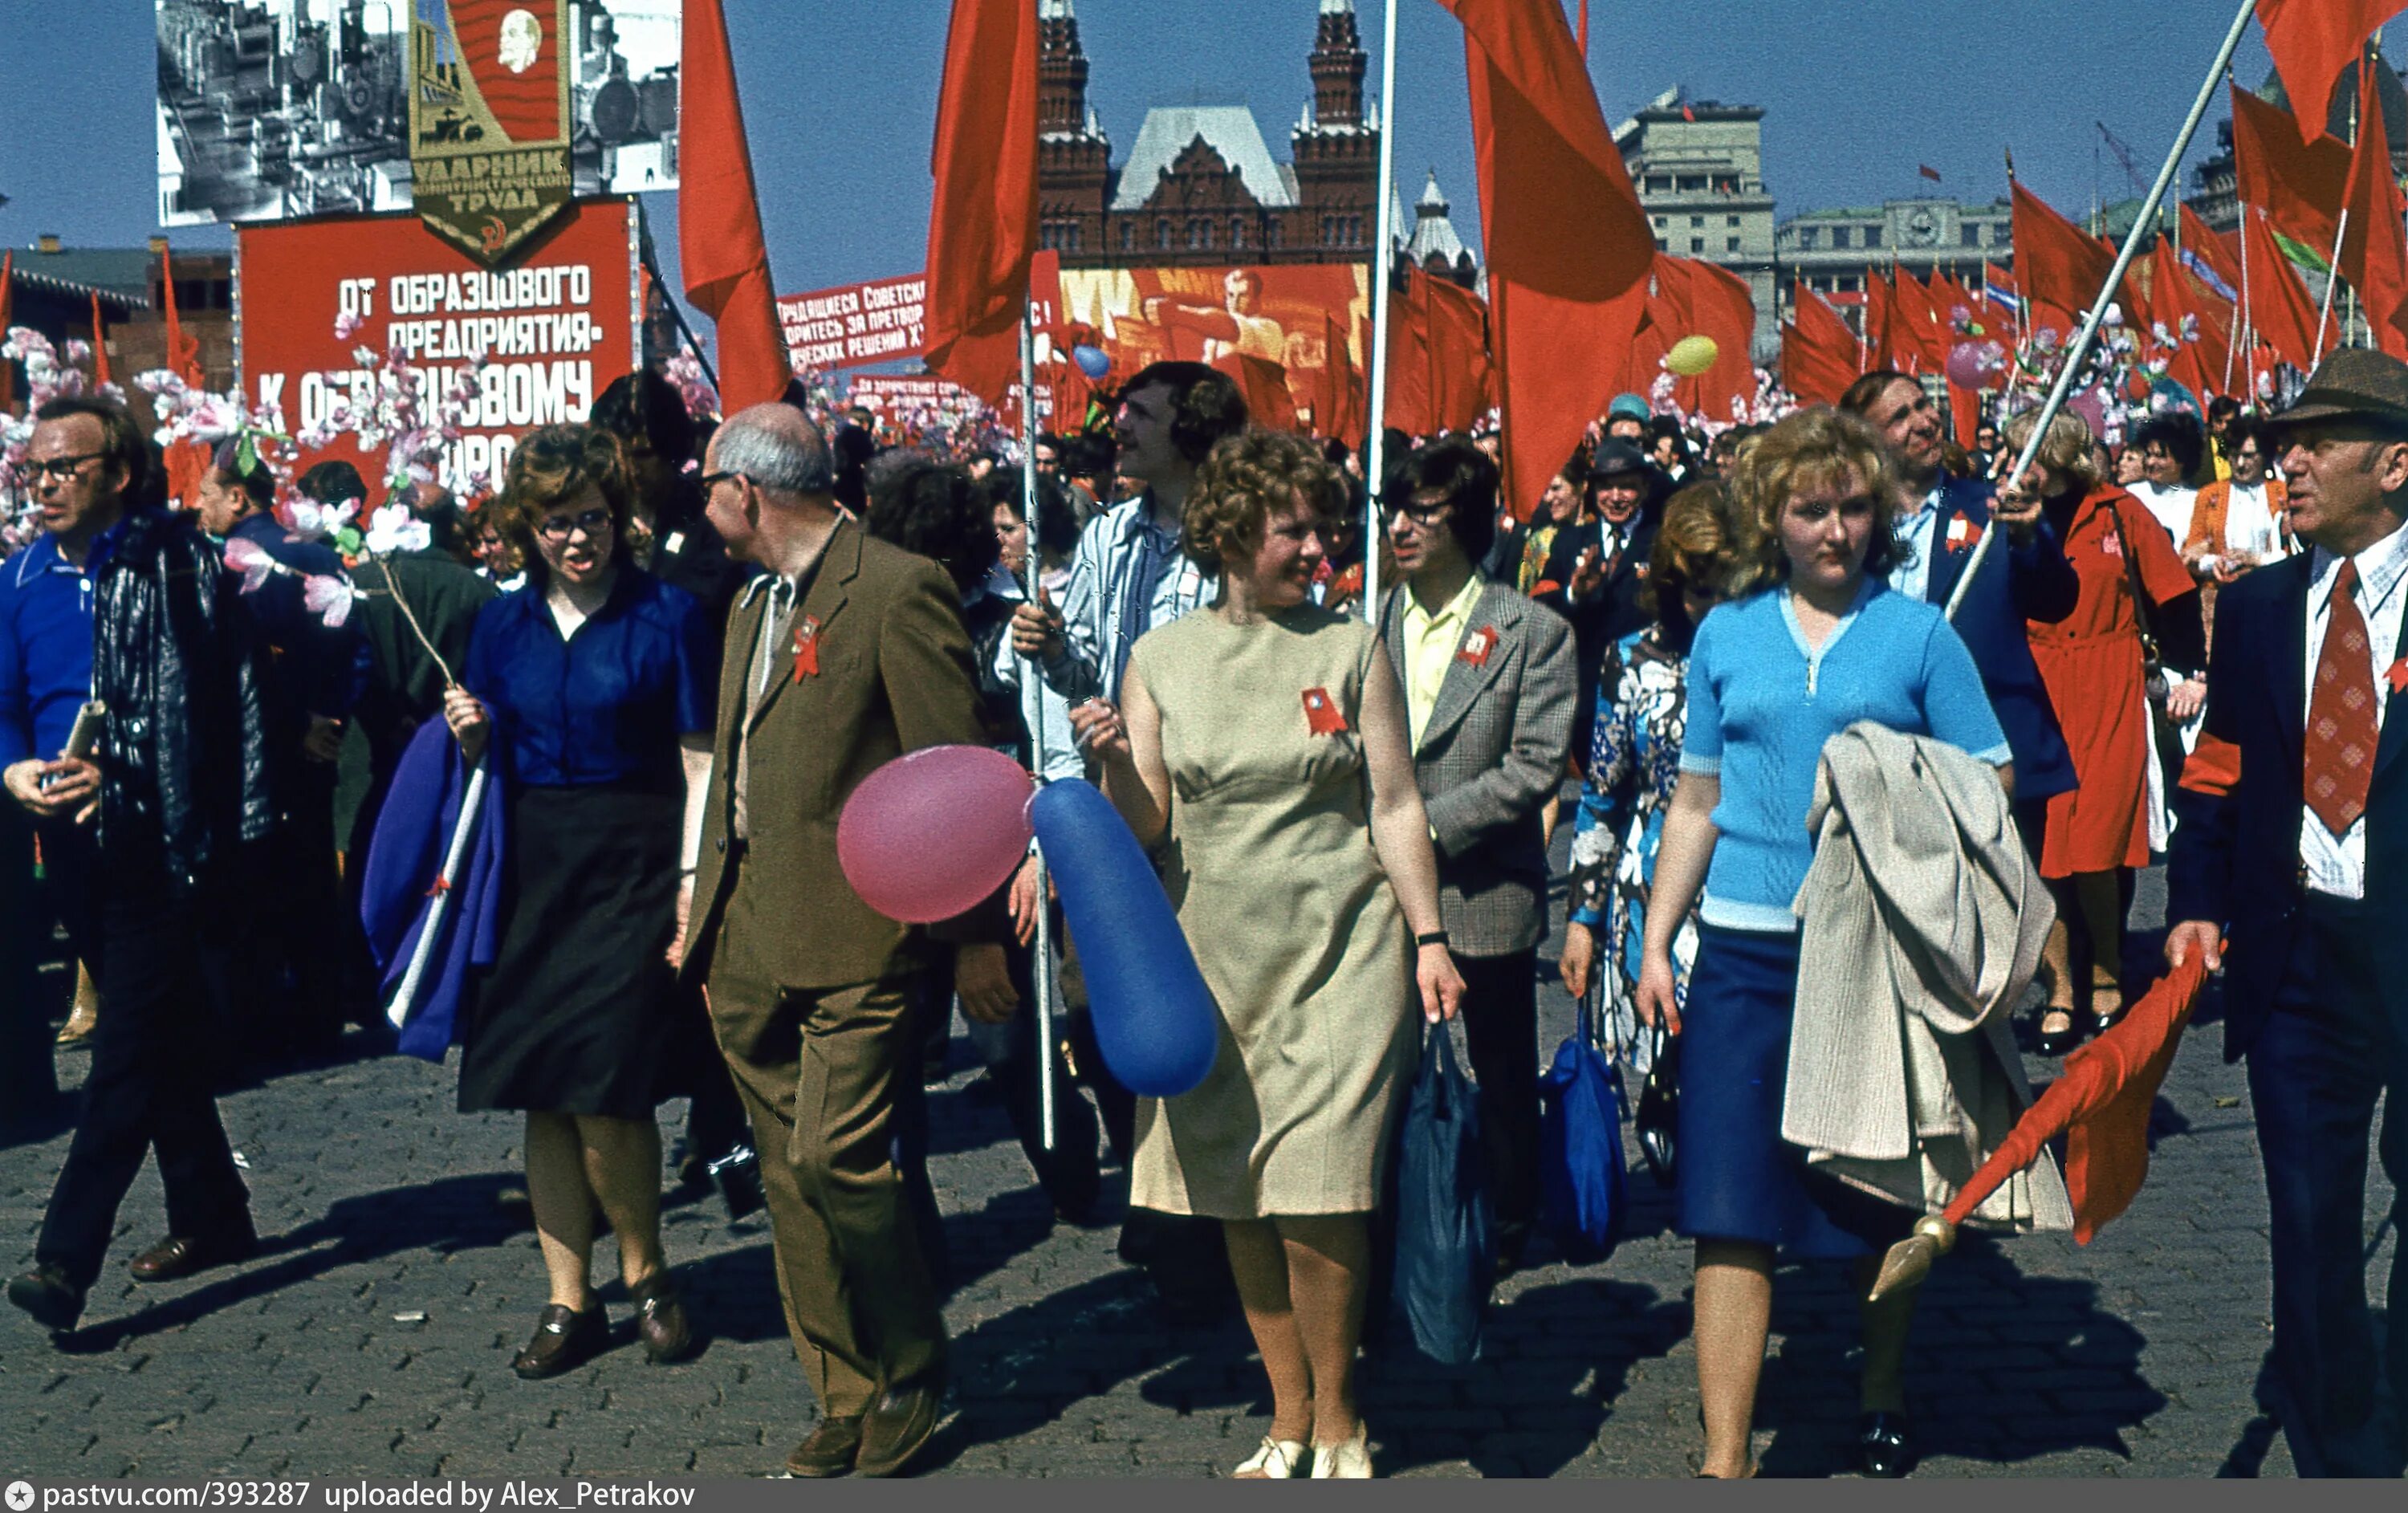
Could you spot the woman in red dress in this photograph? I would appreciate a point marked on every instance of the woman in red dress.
(2094, 665)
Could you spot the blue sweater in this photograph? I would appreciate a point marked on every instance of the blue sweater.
(1761, 706)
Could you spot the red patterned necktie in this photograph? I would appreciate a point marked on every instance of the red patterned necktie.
(2342, 727)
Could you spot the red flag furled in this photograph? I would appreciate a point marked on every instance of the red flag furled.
(1882, 327)
(725, 257)
(2373, 248)
(1340, 410)
(2299, 186)
(2313, 41)
(2280, 311)
(187, 460)
(1818, 351)
(1569, 246)
(2061, 266)
(1438, 373)
(99, 347)
(982, 221)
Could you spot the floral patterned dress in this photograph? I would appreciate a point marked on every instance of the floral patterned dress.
(1635, 759)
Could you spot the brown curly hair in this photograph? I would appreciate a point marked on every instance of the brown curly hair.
(552, 465)
(1695, 544)
(1244, 478)
(1809, 448)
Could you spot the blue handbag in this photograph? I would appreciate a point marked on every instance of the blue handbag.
(1446, 1232)
(1580, 1146)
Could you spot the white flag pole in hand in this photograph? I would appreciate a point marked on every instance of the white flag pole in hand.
(1032, 696)
(464, 831)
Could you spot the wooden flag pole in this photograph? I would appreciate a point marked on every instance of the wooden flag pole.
(2142, 224)
(1383, 255)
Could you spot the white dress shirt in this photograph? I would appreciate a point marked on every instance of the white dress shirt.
(2336, 864)
(1913, 577)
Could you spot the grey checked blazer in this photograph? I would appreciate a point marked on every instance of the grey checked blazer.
(1489, 762)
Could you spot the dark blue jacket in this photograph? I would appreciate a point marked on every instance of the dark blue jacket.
(413, 834)
(2236, 858)
(2015, 584)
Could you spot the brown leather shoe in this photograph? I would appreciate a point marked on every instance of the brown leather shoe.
(181, 1255)
(829, 1452)
(45, 1293)
(660, 1319)
(897, 1427)
(565, 1339)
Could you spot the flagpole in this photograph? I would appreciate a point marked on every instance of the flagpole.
(2080, 349)
(1384, 253)
(2332, 284)
(1032, 703)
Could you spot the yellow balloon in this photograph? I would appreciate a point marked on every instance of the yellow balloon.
(1692, 355)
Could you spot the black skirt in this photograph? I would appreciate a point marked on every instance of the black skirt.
(578, 1014)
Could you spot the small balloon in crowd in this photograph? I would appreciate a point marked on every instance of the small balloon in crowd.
(2091, 404)
(932, 834)
(1969, 363)
(1156, 1023)
(1692, 355)
(1093, 361)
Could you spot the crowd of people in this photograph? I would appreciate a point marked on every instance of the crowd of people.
(681, 646)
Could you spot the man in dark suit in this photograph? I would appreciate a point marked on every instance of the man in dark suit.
(1489, 682)
(846, 655)
(2295, 879)
(1596, 574)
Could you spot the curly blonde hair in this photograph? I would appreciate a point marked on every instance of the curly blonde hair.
(1246, 476)
(1810, 449)
(2067, 451)
(552, 465)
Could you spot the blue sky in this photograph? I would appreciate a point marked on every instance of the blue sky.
(841, 100)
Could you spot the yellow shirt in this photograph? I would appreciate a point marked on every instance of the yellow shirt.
(1431, 642)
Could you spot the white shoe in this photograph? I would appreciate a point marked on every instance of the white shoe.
(1348, 1461)
(1278, 1460)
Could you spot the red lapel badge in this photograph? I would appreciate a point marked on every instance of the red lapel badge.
(1477, 645)
(1962, 534)
(2111, 543)
(2397, 675)
(807, 648)
(1321, 712)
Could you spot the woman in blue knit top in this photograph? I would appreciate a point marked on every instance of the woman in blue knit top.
(1811, 644)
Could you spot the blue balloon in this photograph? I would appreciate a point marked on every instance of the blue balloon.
(1155, 1021)
(1091, 361)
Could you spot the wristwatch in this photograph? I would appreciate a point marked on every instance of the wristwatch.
(1435, 938)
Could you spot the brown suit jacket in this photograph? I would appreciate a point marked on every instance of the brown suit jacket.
(894, 675)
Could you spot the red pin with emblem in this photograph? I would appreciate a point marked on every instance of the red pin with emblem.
(2397, 675)
(1321, 712)
(1477, 645)
(807, 648)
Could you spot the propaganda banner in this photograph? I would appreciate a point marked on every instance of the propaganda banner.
(854, 324)
(1271, 328)
(556, 328)
(489, 121)
(895, 396)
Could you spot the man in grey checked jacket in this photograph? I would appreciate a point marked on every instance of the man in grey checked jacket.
(1489, 680)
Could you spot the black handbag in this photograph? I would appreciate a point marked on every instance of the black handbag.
(1658, 1115)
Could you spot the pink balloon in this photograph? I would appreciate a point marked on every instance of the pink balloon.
(1965, 370)
(933, 832)
(2091, 404)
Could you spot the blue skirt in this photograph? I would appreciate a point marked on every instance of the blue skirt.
(1736, 1179)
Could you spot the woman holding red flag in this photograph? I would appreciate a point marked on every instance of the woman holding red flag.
(2139, 607)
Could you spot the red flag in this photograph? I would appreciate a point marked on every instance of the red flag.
(1818, 351)
(1923, 332)
(1699, 299)
(2061, 266)
(1341, 408)
(1929, 172)
(982, 221)
(2280, 311)
(183, 352)
(99, 347)
(2312, 42)
(2175, 296)
(725, 257)
(1263, 384)
(2373, 248)
(1584, 28)
(1439, 372)
(1569, 246)
(2217, 255)
(2300, 187)
(1883, 326)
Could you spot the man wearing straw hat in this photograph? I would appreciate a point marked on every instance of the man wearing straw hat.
(2294, 881)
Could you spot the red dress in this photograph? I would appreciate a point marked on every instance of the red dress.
(2091, 663)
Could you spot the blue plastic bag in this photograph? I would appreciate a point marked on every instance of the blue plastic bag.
(1580, 1148)
(1446, 1229)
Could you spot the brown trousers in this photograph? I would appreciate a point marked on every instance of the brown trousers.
(819, 1070)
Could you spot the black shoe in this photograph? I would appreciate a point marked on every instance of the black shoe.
(563, 1340)
(2057, 1042)
(1884, 1445)
(45, 1292)
(179, 1256)
(897, 1427)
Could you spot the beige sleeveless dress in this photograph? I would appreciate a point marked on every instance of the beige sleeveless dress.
(1290, 914)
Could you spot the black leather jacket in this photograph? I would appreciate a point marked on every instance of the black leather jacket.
(184, 752)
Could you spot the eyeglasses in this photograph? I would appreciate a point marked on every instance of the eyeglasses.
(60, 469)
(1424, 517)
(712, 481)
(591, 522)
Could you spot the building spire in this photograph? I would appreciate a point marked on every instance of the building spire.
(1339, 64)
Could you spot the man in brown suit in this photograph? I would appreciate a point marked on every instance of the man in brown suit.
(846, 655)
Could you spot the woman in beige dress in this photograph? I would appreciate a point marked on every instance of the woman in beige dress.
(1260, 744)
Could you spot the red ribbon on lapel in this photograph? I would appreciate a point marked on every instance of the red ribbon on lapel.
(807, 648)
(1477, 645)
(2397, 675)
(1321, 712)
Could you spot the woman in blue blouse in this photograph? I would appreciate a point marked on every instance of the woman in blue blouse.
(1811, 644)
(595, 684)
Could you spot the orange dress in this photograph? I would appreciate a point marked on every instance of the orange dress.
(2091, 664)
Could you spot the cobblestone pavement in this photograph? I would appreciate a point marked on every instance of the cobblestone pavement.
(372, 1338)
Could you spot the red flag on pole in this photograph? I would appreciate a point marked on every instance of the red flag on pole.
(99, 347)
(1818, 351)
(2212, 251)
(1341, 413)
(183, 352)
(1584, 28)
(2299, 186)
(2175, 296)
(722, 253)
(2313, 41)
(1569, 246)
(1693, 298)
(2060, 266)
(1438, 373)
(2280, 311)
(2373, 248)
(983, 219)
